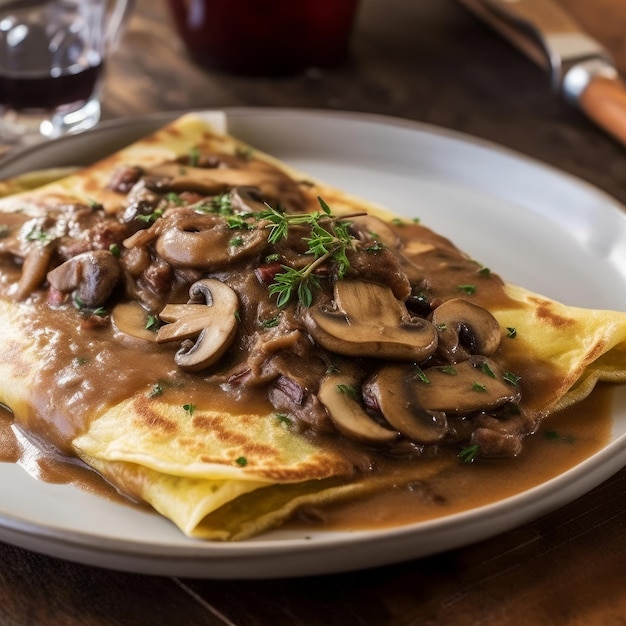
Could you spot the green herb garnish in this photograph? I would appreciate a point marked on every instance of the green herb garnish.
(486, 369)
(511, 378)
(468, 289)
(469, 453)
(157, 390)
(283, 419)
(554, 435)
(151, 217)
(153, 323)
(194, 156)
(271, 322)
(348, 390)
(329, 240)
(419, 374)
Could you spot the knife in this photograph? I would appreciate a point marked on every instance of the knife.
(581, 69)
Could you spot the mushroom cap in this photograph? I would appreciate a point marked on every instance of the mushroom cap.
(92, 274)
(465, 328)
(204, 242)
(347, 414)
(367, 320)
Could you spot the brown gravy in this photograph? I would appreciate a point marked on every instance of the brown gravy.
(562, 441)
(47, 466)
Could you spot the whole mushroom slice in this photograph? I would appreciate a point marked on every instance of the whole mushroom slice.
(338, 395)
(392, 391)
(466, 388)
(206, 242)
(212, 324)
(367, 320)
(465, 328)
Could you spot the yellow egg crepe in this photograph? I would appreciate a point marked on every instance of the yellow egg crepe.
(231, 341)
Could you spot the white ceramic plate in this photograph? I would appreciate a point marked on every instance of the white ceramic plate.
(534, 225)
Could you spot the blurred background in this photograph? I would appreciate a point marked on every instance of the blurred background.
(430, 61)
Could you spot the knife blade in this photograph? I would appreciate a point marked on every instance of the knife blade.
(581, 69)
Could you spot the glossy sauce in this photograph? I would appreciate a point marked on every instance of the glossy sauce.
(562, 441)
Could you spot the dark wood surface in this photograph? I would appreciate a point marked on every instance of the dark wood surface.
(433, 62)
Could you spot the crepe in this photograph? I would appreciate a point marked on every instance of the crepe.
(225, 463)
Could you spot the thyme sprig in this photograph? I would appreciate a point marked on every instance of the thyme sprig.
(329, 240)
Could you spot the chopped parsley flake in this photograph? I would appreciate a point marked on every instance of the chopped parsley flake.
(468, 289)
(153, 323)
(485, 369)
(271, 322)
(469, 453)
(283, 419)
(511, 378)
(554, 435)
(157, 390)
(194, 156)
(420, 375)
(348, 390)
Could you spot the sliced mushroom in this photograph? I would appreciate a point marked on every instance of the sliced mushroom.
(392, 391)
(272, 183)
(130, 318)
(374, 228)
(34, 269)
(347, 414)
(213, 324)
(206, 242)
(246, 200)
(367, 320)
(92, 275)
(464, 329)
(466, 388)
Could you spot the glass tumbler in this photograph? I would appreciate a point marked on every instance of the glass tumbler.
(52, 59)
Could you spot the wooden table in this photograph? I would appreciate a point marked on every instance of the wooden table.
(429, 61)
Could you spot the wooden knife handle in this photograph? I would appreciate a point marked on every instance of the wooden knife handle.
(604, 101)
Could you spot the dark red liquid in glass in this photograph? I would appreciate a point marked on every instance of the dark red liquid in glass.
(256, 37)
(48, 92)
